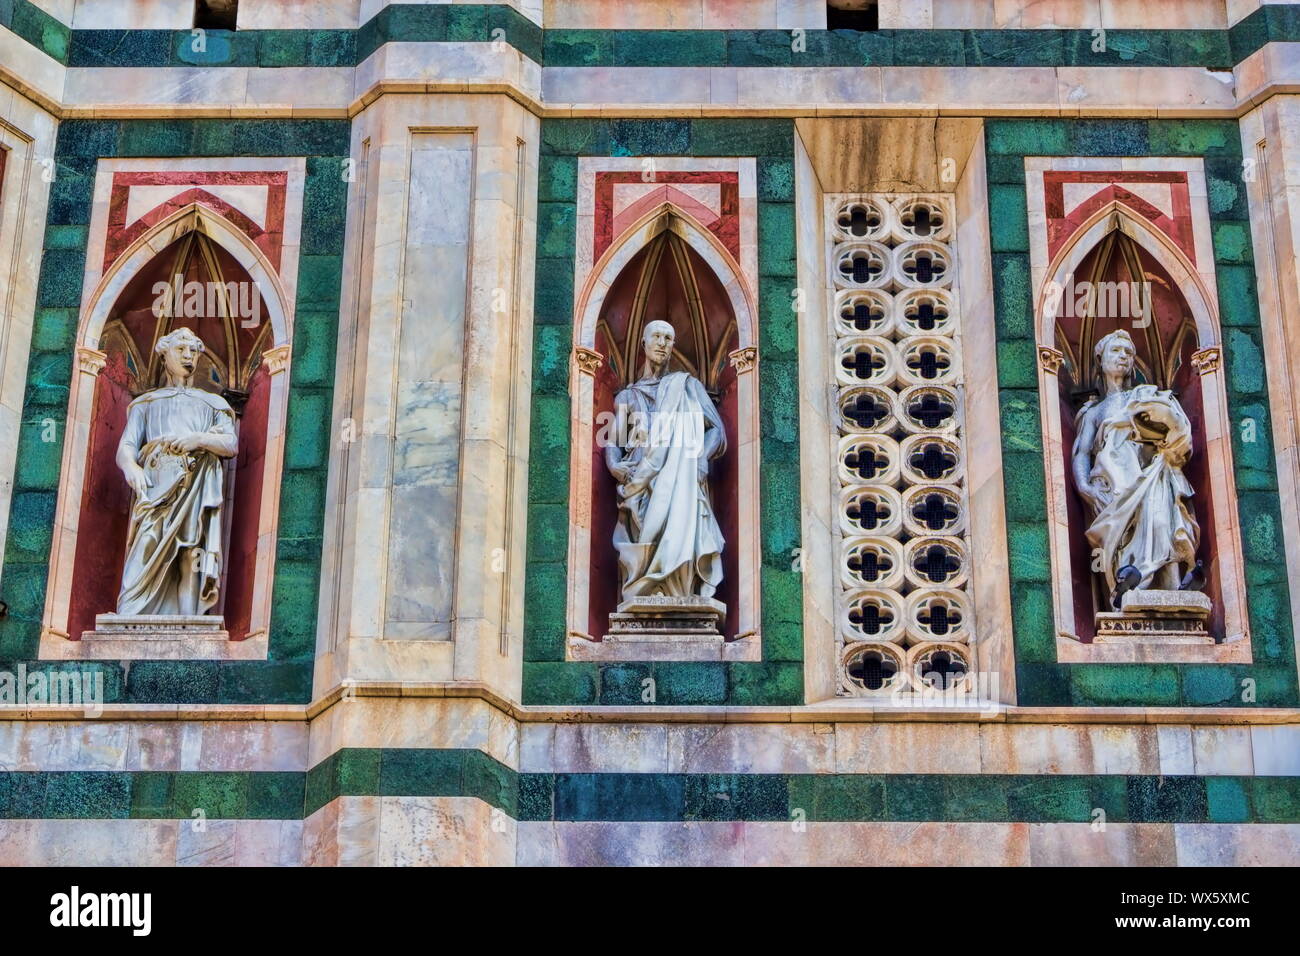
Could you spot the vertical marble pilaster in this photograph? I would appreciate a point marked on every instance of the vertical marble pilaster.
(277, 364)
(1270, 141)
(424, 441)
(26, 137)
(990, 584)
(424, 521)
(816, 430)
(63, 550)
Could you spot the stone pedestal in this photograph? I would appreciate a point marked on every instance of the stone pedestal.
(667, 628)
(668, 616)
(1156, 617)
(157, 637)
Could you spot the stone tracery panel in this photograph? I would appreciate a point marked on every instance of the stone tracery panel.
(905, 622)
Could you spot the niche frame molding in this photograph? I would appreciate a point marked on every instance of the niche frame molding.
(1198, 287)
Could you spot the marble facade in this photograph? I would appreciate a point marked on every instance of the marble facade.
(452, 213)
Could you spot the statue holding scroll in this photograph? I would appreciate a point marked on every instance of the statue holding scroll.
(170, 454)
(1129, 452)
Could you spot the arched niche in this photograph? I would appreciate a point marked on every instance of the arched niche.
(666, 266)
(1151, 290)
(241, 314)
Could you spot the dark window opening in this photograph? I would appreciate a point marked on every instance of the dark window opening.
(864, 316)
(945, 670)
(872, 670)
(863, 363)
(865, 463)
(852, 15)
(935, 512)
(215, 14)
(865, 410)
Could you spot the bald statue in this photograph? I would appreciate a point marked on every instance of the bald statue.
(668, 429)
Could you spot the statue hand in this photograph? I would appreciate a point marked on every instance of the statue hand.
(1097, 494)
(186, 443)
(138, 480)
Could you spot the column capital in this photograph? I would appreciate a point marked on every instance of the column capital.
(276, 359)
(742, 360)
(1206, 360)
(91, 361)
(1050, 359)
(588, 361)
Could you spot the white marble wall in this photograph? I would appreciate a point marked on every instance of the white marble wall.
(442, 831)
(409, 831)
(689, 14)
(132, 15)
(893, 747)
(1055, 14)
(151, 842)
(415, 722)
(907, 844)
(136, 745)
(461, 831)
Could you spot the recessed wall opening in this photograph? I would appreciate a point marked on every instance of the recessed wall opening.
(215, 14)
(859, 15)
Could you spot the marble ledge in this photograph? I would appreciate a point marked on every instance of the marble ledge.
(1271, 75)
(160, 712)
(840, 710)
(1075, 652)
(39, 98)
(747, 648)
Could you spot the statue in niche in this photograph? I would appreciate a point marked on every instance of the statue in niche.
(170, 455)
(669, 544)
(1129, 451)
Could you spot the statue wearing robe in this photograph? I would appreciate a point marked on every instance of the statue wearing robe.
(667, 536)
(1129, 454)
(170, 453)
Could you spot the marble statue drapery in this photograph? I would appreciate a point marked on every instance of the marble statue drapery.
(667, 536)
(171, 453)
(1129, 453)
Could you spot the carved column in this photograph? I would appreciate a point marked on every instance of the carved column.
(89, 363)
(276, 360)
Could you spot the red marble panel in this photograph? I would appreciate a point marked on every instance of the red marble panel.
(268, 237)
(1063, 223)
(611, 223)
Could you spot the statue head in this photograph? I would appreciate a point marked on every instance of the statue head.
(1116, 359)
(180, 351)
(658, 339)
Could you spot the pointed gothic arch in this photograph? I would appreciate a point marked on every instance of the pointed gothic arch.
(1117, 217)
(665, 218)
(205, 221)
(1116, 241)
(666, 234)
(261, 441)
